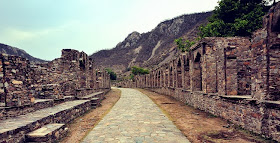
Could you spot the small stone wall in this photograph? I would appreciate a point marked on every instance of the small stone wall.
(18, 135)
(10, 112)
(259, 117)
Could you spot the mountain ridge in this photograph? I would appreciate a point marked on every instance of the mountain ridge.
(153, 47)
(18, 52)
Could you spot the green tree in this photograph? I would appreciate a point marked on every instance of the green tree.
(113, 75)
(235, 18)
(184, 45)
(139, 71)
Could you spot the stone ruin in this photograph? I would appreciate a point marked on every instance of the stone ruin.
(236, 78)
(46, 96)
(72, 75)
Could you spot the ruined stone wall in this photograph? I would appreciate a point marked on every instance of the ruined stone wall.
(103, 78)
(127, 84)
(236, 78)
(73, 74)
(92, 75)
(273, 47)
(15, 81)
(2, 91)
(70, 66)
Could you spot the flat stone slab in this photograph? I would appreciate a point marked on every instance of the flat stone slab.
(37, 100)
(45, 130)
(135, 118)
(237, 97)
(69, 98)
(47, 133)
(18, 122)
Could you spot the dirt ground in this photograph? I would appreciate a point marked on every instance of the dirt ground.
(199, 126)
(83, 125)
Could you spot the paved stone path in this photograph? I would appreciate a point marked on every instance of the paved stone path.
(135, 119)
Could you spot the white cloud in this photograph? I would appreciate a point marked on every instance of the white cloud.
(43, 29)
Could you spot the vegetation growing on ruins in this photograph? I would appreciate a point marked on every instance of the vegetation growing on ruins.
(235, 18)
(139, 71)
(113, 75)
(184, 46)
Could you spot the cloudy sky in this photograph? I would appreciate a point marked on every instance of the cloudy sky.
(44, 27)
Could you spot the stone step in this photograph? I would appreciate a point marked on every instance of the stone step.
(95, 102)
(94, 99)
(15, 129)
(12, 112)
(48, 133)
(69, 98)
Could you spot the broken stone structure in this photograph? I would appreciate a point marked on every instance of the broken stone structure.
(236, 78)
(73, 75)
(34, 97)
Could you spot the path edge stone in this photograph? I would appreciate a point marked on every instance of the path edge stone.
(101, 118)
(163, 111)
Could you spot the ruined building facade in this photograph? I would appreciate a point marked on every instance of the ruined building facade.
(34, 97)
(72, 75)
(235, 78)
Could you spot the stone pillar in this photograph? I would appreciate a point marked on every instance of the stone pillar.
(265, 57)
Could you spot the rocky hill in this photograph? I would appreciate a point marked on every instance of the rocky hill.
(151, 48)
(18, 52)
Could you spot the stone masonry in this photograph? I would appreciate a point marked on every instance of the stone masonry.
(236, 78)
(34, 97)
(71, 75)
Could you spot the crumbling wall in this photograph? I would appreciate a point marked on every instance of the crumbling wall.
(70, 67)
(2, 90)
(16, 81)
(73, 74)
(236, 78)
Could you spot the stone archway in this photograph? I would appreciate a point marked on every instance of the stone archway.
(171, 77)
(179, 74)
(197, 73)
(166, 76)
(159, 78)
(187, 73)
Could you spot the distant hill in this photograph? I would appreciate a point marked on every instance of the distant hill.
(18, 52)
(151, 48)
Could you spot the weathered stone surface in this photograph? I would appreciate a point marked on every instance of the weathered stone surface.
(54, 85)
(135, 118)
(14, 129)
(220, 74)
(48, 133)
(74, 71)
(17, 82)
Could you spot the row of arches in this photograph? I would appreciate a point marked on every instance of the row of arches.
(175, 74)
(210, 68)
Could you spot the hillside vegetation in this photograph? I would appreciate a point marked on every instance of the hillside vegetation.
(151, 48)
(235, 18)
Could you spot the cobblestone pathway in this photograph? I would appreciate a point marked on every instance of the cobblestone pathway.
(135, 119)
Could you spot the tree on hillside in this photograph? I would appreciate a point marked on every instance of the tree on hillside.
(139, 71)
(113, 75)
(235, 18)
